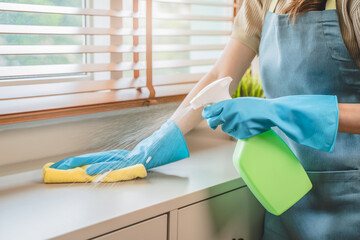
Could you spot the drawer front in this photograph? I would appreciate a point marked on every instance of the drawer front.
(153, 229)
(233, 215)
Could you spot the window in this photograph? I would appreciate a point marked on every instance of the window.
(69, 57)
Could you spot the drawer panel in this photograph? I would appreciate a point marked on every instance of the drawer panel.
(233, 215)
(155, 228)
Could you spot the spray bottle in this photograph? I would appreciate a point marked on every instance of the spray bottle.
(266, 164)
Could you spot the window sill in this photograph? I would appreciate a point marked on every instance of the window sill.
(19, 112)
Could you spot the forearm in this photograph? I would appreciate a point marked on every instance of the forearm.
(234, 61)
(185, 117)
(349, 118)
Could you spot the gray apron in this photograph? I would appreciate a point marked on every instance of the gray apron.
(310, 57)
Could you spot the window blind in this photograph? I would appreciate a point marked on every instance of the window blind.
(63, 58)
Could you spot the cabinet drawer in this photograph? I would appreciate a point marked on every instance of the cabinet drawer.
(233, 215)
(153, 229)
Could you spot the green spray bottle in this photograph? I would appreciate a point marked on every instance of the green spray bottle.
(266, 164)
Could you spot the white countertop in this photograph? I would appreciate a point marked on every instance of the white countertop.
(30, 209)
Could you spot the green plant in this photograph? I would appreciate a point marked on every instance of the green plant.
(249, 86)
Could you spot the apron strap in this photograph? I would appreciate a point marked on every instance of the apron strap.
(330, 5)
(273, 5)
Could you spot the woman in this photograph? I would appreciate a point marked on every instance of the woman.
(309, 62)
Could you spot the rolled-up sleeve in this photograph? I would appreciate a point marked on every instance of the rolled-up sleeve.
(249, 21)
(248, 24)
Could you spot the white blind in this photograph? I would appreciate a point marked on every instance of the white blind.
(68, 54)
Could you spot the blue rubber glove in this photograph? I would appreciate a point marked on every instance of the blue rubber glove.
(89, 158)
(164, 146)
(310, 120)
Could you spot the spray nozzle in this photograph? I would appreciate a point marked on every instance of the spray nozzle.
(214, 92)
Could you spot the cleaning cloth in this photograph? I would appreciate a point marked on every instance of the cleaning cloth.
(78, 174)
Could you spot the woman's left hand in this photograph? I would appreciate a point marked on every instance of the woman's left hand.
(240, 117)
(310, 120)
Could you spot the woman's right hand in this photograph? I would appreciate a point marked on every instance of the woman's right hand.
(164, 146)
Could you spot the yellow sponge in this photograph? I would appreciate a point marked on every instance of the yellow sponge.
(78, 174)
